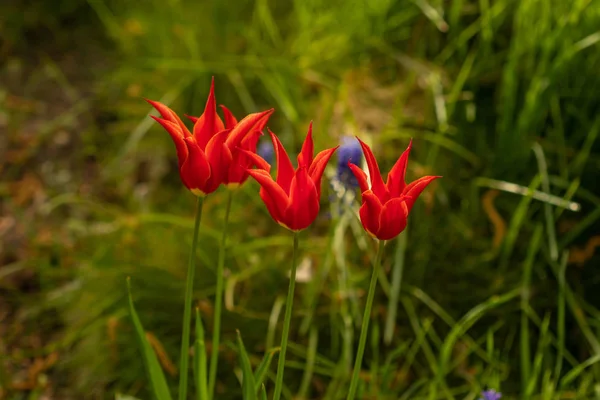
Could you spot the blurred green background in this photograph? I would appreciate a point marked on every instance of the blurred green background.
(492, 284)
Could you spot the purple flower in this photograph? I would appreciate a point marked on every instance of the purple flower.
(349, 151)
(266, 151)
(490, 394)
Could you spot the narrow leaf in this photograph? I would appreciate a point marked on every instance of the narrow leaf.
(248, 386)
(263, 392)
(153, 369)
(200, 373)
(261, 371)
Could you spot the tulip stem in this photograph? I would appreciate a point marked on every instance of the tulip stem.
(286, 321)
(216, 334)
(365, 322)
(187, 307)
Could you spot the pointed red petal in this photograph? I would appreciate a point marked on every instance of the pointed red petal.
(175, 131)
(192, 118)
(393, 218)
(396, 180)
(370, 212)
(209, 122)
(257, 160)
(195, 171)
(230, 120)
(272, 194)
(250, 141)
(318, 166)
(304, 202)
(361, 177)
(241, 162)
(285, 170)
(377, 185)
(305, 158)
(169, 115)
(248, 124)
(414, 189)
(219, 157)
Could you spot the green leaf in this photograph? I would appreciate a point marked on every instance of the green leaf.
(155, 373)
(200, 372)
(261, 371)
(248, 385)
(263, 392)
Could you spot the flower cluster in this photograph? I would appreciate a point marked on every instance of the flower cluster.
(218, 153)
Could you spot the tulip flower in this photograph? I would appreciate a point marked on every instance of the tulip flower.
(293, 201)
(385, 206)
(210, 155)
(383, 213)
(293, 198)
(237, 169)
(214, 153)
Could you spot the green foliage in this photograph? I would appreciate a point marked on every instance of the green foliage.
(498, 95)
(200, 369)
(153, 368)
(248, 383)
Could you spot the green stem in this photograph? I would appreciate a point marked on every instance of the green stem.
(216, 334)
(187, 307)
(365, 323)
(286, 321)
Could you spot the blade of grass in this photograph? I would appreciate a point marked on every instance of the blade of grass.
(248, 383)
(465, 323)
(575, 372)
(582, 157)
(560, 323)
(310, 363)
(525, 191)
(539, 357)
(584, 224)
(578, 312)
(260, 374)
(273, 318)
(158, 382)
(263, 392)
(388, 369)
(375, 340)
(419, 330)
(534, 247)
(516, 222)
(440, 312)
(200, 371)
(287, 320)
(548, 214)
(187, 305)
(216, 333)
(397, 272)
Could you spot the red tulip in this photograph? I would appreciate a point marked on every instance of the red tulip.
(385, 206)
(210, 155)
(237, 173)
(293, 198)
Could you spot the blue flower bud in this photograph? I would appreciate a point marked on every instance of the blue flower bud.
(490, 394)
(266, 151)
(349, 151)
